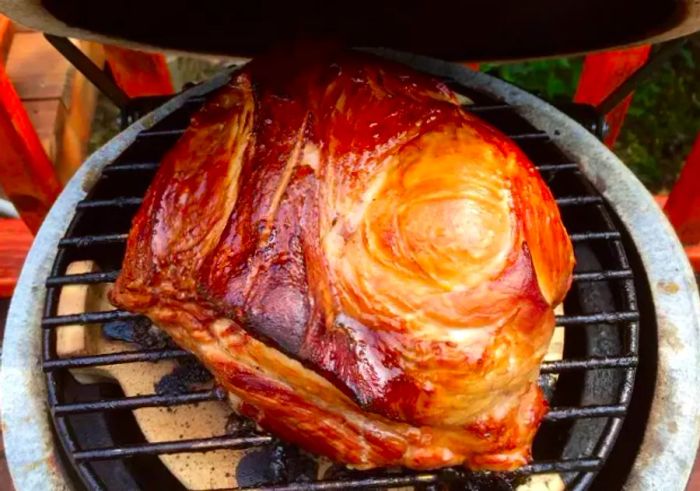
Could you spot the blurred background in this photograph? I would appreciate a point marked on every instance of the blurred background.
(662, 121)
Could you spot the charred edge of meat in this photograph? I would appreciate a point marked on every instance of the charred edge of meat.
(340, 471)
(188, 375)
(548, 384)
(275, 464)
(139, 331)
(459, 479)
(240, 426)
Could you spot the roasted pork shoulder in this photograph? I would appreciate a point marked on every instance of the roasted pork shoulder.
(367, 268)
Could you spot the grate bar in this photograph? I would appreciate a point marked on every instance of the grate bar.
(136, 166)
(151, 166)
(158, 400)
(602, 317)
(566, 413)
(136, 402)
(180, 446)
(93, 317)
(88, 240)
(603, 275)
(556, 167)
(115, 358)
(482, 108)
(578, 200)
(82, 279)
(535, 135)
(571, 465)
(136, 201)
(157, 355)
(173, 132)
(367, 483)
(586, 236)
(121, 202)
(88, 318)
(588, 364)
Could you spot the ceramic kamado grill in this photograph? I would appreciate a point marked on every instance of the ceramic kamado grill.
(96, 398)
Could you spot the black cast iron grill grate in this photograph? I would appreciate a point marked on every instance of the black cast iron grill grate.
(589, 399)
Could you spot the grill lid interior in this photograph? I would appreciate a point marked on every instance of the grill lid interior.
(454, 30)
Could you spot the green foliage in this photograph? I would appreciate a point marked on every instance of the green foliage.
(553, 80)
(662, 122)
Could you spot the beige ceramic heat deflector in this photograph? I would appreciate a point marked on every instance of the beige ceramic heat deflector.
(210, 470)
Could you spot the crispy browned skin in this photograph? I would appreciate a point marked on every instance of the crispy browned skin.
(369, 270)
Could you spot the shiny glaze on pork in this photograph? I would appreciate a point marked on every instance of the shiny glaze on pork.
(367, 268)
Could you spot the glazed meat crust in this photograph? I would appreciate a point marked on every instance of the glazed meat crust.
(368, 269)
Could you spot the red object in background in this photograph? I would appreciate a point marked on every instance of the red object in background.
(26, 174)
(683, 205)
(15, 240)
(693, 253)
(604, 72)
(139, 73)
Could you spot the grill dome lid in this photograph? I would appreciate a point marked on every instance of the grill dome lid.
(456, 30)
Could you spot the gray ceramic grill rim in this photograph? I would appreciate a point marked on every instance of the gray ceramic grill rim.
(673, 430)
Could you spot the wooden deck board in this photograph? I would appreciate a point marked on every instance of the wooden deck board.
(60, 100)
(36, 69)
(45, 116)
(7, 32)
